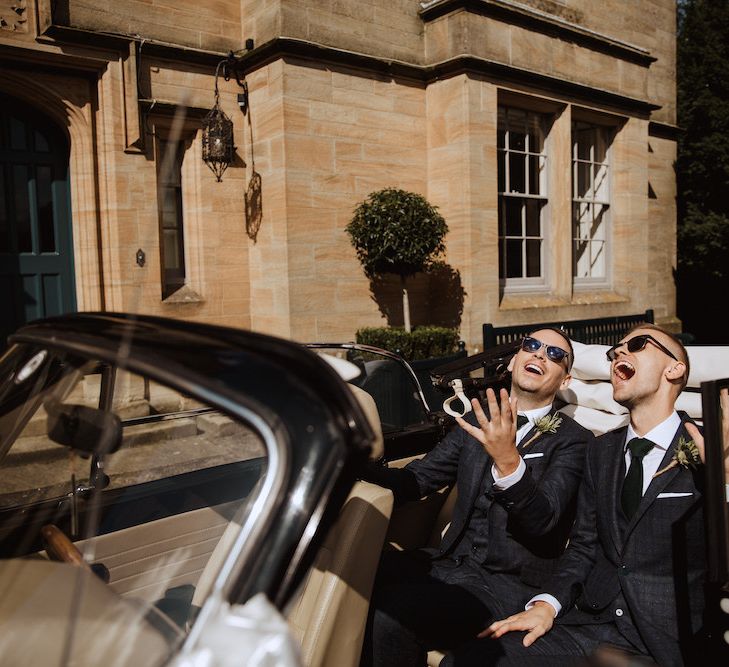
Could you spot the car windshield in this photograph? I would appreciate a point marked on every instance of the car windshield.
(150, 484)
(398, 393)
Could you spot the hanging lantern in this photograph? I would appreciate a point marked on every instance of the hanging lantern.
(217, 137)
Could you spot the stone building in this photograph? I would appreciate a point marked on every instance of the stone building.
(544, 130)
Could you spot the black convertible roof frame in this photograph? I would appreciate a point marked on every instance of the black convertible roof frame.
(316, 423)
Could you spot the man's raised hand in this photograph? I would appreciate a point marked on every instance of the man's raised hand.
(497, 434)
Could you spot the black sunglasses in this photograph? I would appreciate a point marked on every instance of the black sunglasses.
(636, 344)
(556, 354)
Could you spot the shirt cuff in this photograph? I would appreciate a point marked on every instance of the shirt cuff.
(549, 599)
(503, 483)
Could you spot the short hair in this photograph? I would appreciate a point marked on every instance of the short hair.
(683, 353)
(564, 335)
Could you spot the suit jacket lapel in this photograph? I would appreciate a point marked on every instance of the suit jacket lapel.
(481, 466)
(614, 475)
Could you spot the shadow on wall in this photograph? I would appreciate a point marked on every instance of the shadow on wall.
(436, 297)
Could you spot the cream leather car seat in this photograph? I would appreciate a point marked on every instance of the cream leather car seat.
(330, 615)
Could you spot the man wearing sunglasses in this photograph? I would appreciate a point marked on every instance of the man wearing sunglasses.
(631, 579)
(516, 488)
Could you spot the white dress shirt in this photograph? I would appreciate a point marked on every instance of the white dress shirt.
(533, 416)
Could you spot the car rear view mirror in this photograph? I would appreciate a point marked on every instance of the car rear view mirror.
(83, 428)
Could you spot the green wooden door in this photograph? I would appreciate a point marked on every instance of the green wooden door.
(36, 247)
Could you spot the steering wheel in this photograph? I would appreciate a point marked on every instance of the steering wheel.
(60, 547)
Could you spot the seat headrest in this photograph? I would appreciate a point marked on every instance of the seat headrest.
(370, 409)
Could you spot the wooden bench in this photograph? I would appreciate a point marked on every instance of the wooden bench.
(599, 330)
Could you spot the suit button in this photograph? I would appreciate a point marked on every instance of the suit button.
(474, 548)
(618, 612)
(624, 569)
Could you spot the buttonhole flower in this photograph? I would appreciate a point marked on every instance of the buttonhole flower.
(547, 424)
(685, 455)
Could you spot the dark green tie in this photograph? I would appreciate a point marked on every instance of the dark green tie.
(633, 483)
(520, 421)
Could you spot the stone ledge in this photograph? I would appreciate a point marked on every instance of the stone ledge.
(532, 301)
(184, 295)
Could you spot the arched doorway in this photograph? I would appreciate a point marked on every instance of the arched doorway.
(36, 245)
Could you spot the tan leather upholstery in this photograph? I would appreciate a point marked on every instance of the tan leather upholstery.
(370, 409)
(329, 617)
(36, 621)
(145, 560)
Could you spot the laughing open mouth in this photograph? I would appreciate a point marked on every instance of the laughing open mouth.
(624, 370)
(533, 368)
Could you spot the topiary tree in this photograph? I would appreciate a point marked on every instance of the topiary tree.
(394, 231)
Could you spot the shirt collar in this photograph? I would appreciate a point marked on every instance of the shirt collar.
(536, 414)
(662, 434)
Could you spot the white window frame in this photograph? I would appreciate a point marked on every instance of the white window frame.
(510, 119)
(596, 197)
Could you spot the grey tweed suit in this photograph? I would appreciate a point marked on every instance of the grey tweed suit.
(651, 568)
(636, 584)
(498, 550)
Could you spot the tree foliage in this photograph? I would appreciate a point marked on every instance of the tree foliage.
(394, 231)
(702, 168)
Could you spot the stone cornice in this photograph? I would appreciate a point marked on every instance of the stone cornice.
(425, 74)
(58, 35)
(533, 19)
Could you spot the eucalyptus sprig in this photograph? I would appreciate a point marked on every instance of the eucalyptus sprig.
(686, 455)
(547, 424)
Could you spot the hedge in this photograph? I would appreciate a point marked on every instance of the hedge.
(421, 343)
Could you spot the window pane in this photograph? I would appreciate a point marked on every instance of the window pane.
(171, 249)
(500, 138)
(597, 260)
(533, 217)
(513, 210)
(502, 171)
(517, 140)
(517, 175)
(536, 174)
(534, 262)
(535, 139)
(582, 259)
(583, 180)
(599, 223)
(600, 182)
(513, 258)
(46, 231)
(22, 208)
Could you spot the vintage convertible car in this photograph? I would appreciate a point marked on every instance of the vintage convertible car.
(178, 493)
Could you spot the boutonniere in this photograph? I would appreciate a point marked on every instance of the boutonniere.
(547, 424)
(686, 455)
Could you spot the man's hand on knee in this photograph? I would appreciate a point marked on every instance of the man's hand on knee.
(536, 622)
